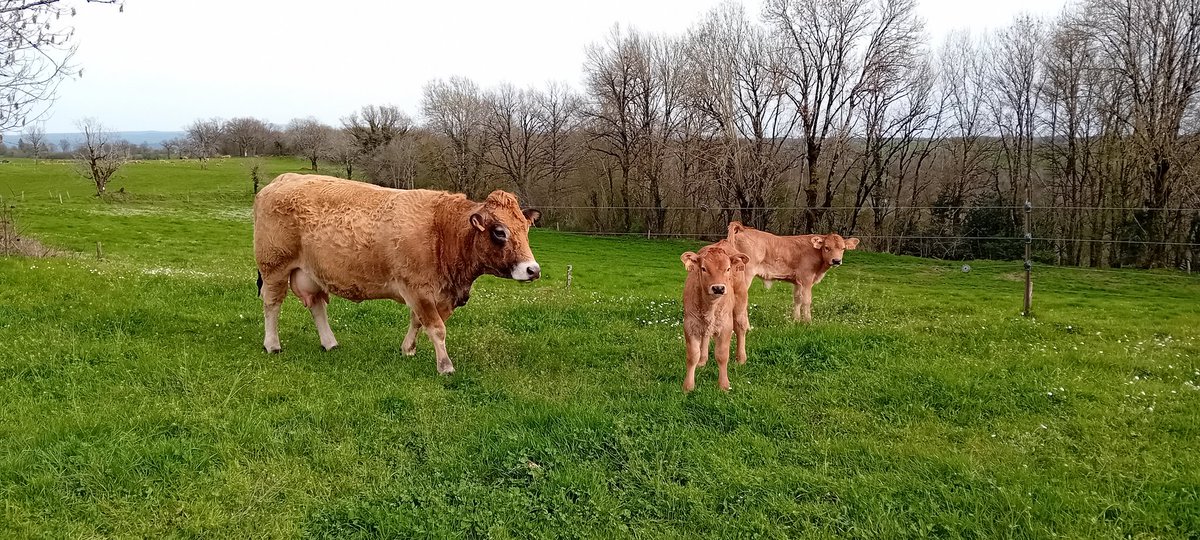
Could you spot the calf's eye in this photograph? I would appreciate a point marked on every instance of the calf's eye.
(500, 235)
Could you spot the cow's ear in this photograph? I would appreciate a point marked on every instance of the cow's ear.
(689, 260)
(478, 221)
(817, 242)
(532, 215)
(739, 260)
(851, 243)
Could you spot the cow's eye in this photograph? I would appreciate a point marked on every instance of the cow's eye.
(703, 269)
(500, 235)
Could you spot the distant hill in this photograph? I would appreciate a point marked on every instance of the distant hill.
(152, 138)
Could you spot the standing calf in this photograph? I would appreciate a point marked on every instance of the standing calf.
(323, 235)
(800, 260)
(714, 305)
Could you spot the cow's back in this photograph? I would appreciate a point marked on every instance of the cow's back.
(354, 238)
(770, 255)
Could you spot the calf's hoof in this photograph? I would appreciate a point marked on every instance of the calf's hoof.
(446, 369)
(329, 348)
(273, 350)
(409, 351)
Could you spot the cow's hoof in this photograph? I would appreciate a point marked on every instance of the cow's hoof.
(409, 352)
(329, 348)
(273, 350)
(446, 371)
(741, 361)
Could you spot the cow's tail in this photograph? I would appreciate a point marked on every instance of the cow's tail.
(734, 228)
(259, 283)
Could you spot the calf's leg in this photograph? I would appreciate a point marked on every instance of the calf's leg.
(693, 359)
(722, 354)
(802, 302)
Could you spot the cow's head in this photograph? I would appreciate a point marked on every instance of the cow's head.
(502, 242)
(714, 265)
(832, 246)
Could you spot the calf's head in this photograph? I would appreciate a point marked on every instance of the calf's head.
(715, 267)
(832, 246)
(502, 239)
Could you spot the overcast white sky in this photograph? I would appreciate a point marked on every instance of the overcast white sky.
(163, 63)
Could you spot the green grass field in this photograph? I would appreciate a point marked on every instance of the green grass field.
(135, 399)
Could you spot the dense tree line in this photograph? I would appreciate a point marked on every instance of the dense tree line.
(817, 116)
(837, 115)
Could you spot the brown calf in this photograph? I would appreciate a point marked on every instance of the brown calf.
(800, 260)
(323, 235)
(714, 305)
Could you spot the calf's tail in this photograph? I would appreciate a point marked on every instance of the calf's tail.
(259, 289)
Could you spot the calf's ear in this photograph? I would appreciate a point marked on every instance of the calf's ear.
(532, 215)
(818, 241)
(739, 261)
(478, 221)
(851, 243)
(689, 260)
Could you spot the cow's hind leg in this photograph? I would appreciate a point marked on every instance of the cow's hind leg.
(316, 300)
(273, 291)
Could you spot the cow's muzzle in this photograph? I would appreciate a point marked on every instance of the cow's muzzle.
(718, 289)
(527, 271)
(836, 262)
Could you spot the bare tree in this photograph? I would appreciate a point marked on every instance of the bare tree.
(203, 138)
(557, 109)
(98, 156)
(246, 135)
(344, 150)
(171, 146)
(1154, 48)
(36, 55)
(374, 126)
(64, 145)
(455, 109)
(612, 72)
(310, 138)
(739, 84)
(35, 135)
(1014, 76)
(834, 49)
(514, 137)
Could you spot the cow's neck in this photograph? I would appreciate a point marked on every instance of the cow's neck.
(459, 268)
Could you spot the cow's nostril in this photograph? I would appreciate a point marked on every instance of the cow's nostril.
(534, 270)
(837, 262)
(718, 289)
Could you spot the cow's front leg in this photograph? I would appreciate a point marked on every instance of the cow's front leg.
(693, 360)
(409, 347)
(802, 302)
(431, 321)
(722, 354)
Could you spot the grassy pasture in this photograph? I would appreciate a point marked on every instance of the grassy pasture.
(135, 399)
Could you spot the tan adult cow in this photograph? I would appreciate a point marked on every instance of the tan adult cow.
(800, 260)
(326, 235)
